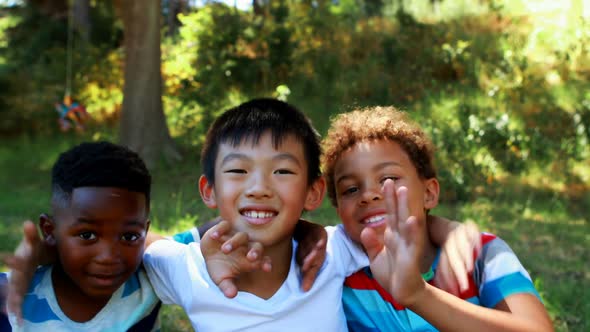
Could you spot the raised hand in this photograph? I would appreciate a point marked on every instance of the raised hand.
(457, 259)
(23, 265)
(228, 255)
(395, 258)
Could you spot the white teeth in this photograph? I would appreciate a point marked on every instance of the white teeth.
(374, 219)
(258, 214)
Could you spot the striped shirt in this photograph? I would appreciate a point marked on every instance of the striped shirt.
(497, 275)
(133, 307)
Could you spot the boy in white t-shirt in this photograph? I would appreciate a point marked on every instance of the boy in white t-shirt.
(261, 171)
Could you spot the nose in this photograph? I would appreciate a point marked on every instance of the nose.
(370, 195)
(108, 253)
(259, 186)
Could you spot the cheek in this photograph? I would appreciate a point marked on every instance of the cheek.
(132, 255)
(72, 256)
(351, 226)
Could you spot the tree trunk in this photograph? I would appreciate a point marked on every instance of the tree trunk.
(143, 125)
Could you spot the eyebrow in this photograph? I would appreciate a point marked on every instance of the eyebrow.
(231, 156)
(93, 222)
(287, 156)
(241, 156)
(375, 168)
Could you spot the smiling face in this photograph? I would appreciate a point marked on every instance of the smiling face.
(262, 189)
(359, 174)
(99, 237)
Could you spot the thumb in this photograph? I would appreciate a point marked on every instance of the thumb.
(228, 288)
(30, 232)
(372, 242)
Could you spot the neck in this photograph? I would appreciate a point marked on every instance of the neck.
(266, 284)
(428, 256)
(78, 306)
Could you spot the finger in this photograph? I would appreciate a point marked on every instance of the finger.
(462, 260)
(228, 288)
(390, 203)
(310, 275)
(30, 232)
(316, 256)
(255, 251)
(403, 210)
(475, 235)
(266, 264)
(238, 240)
(371, 242)
(217, 231)
(444, 278)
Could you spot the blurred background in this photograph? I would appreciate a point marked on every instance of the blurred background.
(501, 86)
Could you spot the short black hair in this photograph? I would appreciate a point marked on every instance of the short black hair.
(98, 164)
(252, 119)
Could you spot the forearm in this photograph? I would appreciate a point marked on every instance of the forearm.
(439, 229)
(449, 313)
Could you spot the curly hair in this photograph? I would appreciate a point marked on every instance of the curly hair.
(375, 123)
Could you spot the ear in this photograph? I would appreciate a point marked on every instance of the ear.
(47, 226)
(431, 193)
(207, 192)
(315, 194)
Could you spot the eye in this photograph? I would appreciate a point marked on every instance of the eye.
(284, 171)
(88, 236)
(349, 191)
(131, 237)
(236, 170)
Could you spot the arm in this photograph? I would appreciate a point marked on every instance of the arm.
(30, 253)
(311, 251)
(395, 265)
(518, 312)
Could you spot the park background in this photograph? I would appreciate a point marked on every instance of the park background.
(501, 86)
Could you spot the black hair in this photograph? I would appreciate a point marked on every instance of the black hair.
(98, 164)
(253, 118)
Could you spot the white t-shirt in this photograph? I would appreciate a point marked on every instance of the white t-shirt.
(179, 276)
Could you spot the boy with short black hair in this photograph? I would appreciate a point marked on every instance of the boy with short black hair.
(261, 170)
(100, 204)
(382, 181)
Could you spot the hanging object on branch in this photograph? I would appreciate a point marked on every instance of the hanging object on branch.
(72, 114)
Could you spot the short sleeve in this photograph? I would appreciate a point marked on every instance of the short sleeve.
(348, 256)
(499, 273)
(163, 261)
(192, 235)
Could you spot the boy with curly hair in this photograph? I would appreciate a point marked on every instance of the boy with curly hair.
(382, 181)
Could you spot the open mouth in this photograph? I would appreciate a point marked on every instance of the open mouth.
(258, 217)
(374, 221)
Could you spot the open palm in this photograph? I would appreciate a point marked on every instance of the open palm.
(395, 257)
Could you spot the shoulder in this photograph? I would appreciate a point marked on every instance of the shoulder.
(499, 273)
(189, 236)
